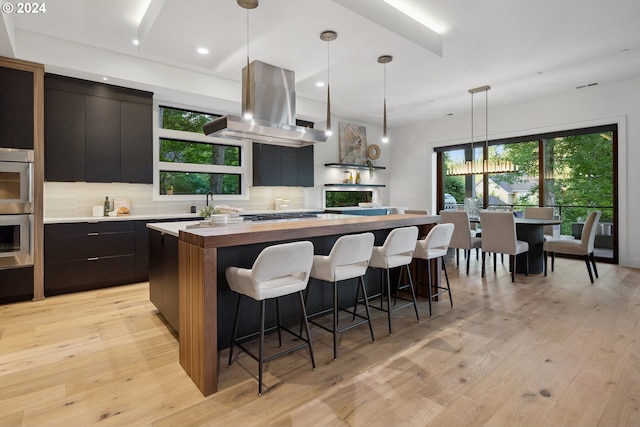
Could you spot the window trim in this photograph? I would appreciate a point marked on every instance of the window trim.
(243, 170)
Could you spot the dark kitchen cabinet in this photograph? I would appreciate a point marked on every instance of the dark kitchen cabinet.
(163, 275)
(64, 156)
(136, 146)
(305, 166)
(275, 165)
(16, 107)
(83, 256)
(96, 132)
(102, 139)
(16, 284)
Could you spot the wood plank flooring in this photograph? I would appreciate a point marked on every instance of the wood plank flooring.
(555, 351)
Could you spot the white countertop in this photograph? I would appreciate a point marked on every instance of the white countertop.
(56, 220)
(174, 228)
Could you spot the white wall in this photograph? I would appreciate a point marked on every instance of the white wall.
(413, 162)
(328, 152)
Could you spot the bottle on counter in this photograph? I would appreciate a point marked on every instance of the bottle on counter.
(350, 178)
(107, 206)
(357, 177)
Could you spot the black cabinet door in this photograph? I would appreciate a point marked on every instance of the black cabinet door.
(64, 152)
(16, 108)
(266, 164)
(136, 143)
(102, 139)
(288, 166)
(305, 166)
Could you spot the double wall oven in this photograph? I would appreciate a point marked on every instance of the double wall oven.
(16, 208)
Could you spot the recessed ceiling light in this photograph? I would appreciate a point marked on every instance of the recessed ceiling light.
(319, 84)
(203, 50)
(136, 42)
(105, 79)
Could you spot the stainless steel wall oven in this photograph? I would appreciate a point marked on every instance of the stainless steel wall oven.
(16, 208)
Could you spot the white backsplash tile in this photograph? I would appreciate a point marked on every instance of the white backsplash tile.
(68, 199)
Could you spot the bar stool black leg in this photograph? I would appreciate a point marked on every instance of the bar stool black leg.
(261, 349)
(413, 293)
(306, 329)
(444, 267)
(429, 284)
(234, 331)
(278, 320)
(388, 300)
(366, 306)
(335, 320)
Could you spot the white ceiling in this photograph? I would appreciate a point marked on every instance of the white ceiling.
(524, 49)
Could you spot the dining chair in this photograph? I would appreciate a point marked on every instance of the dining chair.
(435, 245)
(583, 247)
(416, 211)
(279, 270)
(499, 237)
(463, 237)
(541, 213)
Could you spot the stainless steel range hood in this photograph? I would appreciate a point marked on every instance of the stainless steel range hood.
(273, 102)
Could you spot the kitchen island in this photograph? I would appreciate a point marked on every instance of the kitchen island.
(204, 254)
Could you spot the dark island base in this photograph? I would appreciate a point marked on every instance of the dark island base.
(163, 285)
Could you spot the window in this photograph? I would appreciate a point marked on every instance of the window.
(189, 163)
(573, 171)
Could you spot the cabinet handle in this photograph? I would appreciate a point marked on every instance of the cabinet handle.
(95, 258)
(92, 234)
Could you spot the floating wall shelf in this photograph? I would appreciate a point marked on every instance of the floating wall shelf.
(354, 185)
(351, 166)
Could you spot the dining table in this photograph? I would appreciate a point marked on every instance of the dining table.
(530, 230)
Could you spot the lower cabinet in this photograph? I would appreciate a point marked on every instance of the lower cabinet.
(163, 275)
(16, 284)
(81, 256)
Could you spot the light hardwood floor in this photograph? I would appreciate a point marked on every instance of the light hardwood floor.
(555, 351)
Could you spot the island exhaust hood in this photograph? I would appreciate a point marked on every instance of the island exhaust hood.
(273, 103)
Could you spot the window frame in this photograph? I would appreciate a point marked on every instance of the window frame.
(159, 133)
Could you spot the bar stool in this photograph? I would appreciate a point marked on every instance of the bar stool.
(348, 259)
(279, 270)
(397, 251)
(435, 245)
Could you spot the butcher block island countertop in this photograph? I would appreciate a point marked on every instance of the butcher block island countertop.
(200, 265)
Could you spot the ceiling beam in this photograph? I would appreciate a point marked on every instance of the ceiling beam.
(387, 16)
(7, 36)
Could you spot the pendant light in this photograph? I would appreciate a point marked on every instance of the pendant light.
(328, 36)
(485, 166)
(384, 60)
(247, 111)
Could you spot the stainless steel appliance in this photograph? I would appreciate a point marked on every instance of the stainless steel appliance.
(16, 207)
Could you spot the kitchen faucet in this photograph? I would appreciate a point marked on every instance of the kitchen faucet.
(209, 194)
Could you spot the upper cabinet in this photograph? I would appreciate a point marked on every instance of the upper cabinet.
(96, 132)
(275, 165)
(16, 108)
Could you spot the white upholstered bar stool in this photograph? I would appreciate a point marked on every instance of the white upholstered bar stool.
(279, 270)
(435, 245)
(348, 259)
(397, 251)
(499, 237)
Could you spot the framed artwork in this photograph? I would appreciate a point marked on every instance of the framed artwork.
(352, 142)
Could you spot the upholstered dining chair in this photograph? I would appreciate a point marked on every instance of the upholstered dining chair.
(279, 270)
(499, 237)
(435, 245)
(583, 247)
(416, 211)
(541, 213)
(463, 237)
